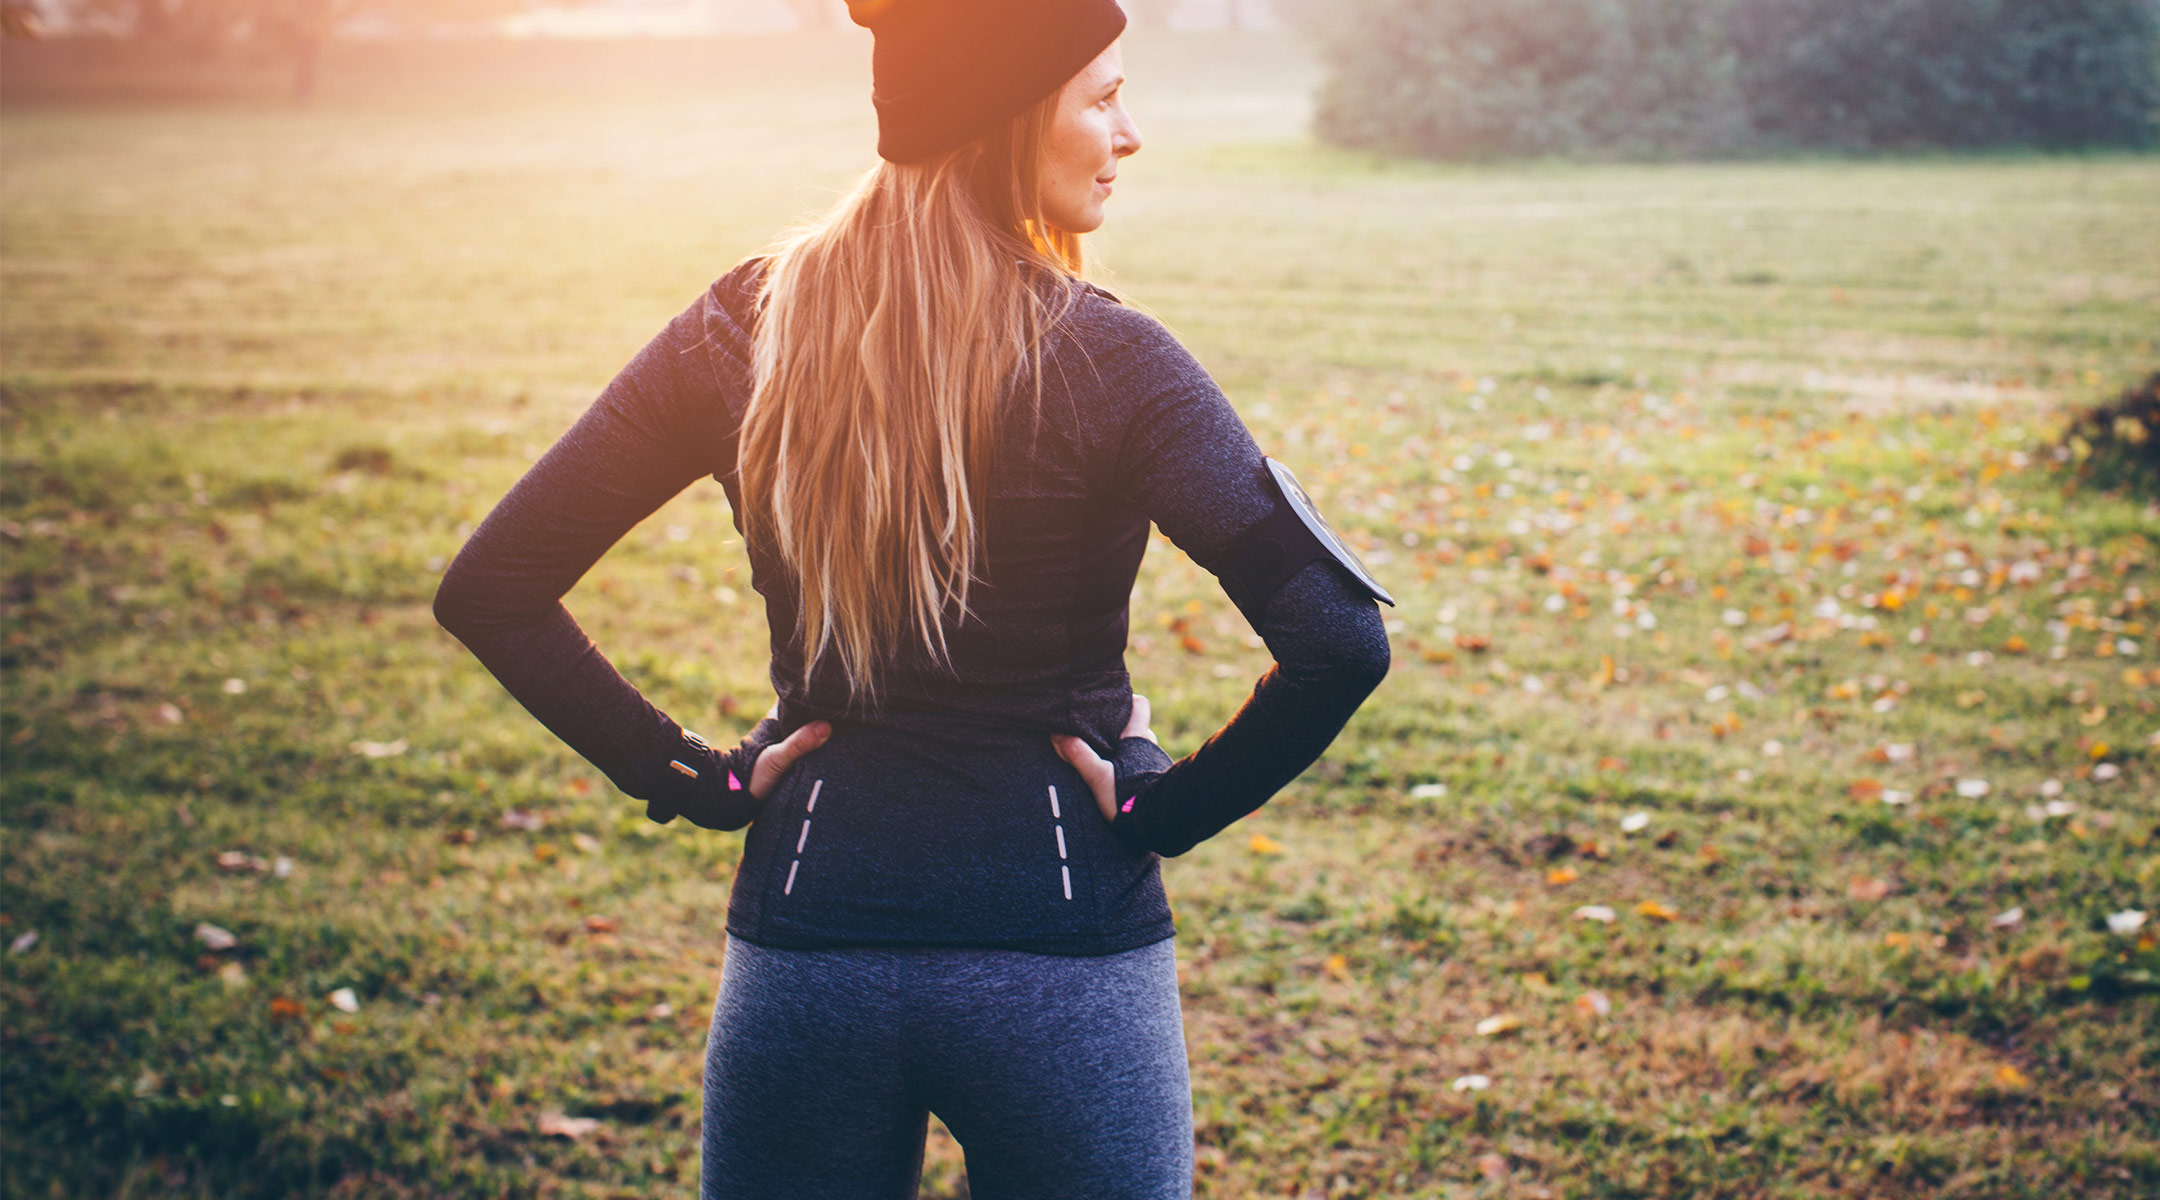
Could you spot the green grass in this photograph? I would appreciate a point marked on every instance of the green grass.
(265, 368)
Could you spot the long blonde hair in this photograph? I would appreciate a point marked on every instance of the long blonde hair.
(891, 338)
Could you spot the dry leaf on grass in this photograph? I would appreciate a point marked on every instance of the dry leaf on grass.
(1865, 888)
(555, 1124)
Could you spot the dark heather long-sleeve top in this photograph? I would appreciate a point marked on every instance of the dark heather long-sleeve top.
(940, 816)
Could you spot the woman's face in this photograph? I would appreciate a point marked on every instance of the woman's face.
(1090, 133)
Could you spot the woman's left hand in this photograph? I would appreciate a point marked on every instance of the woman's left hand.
(1100, 775)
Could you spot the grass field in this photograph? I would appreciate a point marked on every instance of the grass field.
(1771, 743)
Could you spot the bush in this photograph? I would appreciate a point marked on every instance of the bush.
(1952, 73)
(1461, 78)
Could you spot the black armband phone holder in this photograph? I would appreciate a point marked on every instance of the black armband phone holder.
(1294, 534)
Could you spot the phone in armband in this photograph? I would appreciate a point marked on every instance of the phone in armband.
(1292, 535)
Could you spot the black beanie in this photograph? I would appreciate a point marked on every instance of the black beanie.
(943, 72)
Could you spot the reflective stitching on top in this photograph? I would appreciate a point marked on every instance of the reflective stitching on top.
(1064, 871)
(788, 889)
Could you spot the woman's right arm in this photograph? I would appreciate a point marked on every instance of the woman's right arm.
(1188, 462)
(660, 425)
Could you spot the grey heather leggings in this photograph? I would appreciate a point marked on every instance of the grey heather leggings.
(1061, 1077)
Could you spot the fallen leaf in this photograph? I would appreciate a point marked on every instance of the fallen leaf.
(555, 1124)
(1560, 876)
(2012, 1078)
(599, 924)
(380, 749)
(1337, 967)
(518, 818)
(1656, 911)
(1868, 888)
(1263, 844)
(282, 1009)
(1593, 1004)
(585, 842)
(232, 975)
(1492, 1166)
(1499, 1026)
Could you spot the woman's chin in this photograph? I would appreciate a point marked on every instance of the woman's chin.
(1076, 219)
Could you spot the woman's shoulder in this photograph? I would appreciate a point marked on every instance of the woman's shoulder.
(1111, 344)
(1120, 340)
(734, 296)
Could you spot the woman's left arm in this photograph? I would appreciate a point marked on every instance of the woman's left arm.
(662, 423)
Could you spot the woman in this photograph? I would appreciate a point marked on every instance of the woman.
(944, 452)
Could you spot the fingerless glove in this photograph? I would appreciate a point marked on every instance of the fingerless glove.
(710, 787)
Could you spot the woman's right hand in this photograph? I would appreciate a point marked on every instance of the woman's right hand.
(1098, 772)
(773, 764)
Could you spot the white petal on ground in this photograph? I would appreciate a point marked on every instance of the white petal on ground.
(1596, 912)
(2126, 922)
(215, 937)
(344, 1001)
(1471, 1083)
(22, 943)
(1973, 789)
(1635, 822)
(2009, 918)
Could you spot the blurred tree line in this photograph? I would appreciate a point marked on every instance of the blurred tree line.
(1469, 78)
(292, 30)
